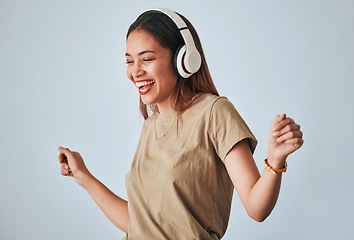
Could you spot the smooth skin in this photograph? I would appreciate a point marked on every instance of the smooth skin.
(259, 194)
(115, 208)
(148, 60)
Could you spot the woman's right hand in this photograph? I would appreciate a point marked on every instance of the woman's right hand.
(72, 165)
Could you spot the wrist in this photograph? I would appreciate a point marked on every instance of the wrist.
(84, 179)
(276, 162)
(275, 170)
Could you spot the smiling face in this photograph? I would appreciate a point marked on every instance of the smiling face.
(150, 68)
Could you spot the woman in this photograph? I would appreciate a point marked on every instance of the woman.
(194, 147)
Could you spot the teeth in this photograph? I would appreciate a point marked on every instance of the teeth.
(143, 83)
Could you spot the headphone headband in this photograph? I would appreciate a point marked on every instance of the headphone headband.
(174, 16)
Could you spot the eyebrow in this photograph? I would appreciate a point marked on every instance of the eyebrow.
(141, 53)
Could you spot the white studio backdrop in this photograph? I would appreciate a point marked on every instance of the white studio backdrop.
(63, 83)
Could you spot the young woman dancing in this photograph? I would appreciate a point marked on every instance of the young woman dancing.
(194, 147)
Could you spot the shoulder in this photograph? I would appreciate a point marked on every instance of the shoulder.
(224, 115)
(220, 105)
(210, 101)
(209, 105)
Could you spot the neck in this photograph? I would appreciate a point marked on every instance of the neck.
(164, 108)
(166, 105)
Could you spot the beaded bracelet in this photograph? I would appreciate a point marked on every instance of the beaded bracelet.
(274, 170)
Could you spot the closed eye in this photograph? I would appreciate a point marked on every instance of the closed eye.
(148, 59)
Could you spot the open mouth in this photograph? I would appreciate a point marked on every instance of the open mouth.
(144, 86)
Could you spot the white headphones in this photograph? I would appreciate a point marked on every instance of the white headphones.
(187, 58)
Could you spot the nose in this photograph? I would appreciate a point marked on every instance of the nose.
(137, 70)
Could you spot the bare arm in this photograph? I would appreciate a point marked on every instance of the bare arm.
(259, 194)
(115, 208)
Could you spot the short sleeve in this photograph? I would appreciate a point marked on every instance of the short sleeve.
(226, 128)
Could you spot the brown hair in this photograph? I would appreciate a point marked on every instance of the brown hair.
(165, 31)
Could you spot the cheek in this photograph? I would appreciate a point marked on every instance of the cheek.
(129, 74)
(168, 71)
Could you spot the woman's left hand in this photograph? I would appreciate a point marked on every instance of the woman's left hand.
(284, 138)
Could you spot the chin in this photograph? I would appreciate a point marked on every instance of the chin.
(147, 100)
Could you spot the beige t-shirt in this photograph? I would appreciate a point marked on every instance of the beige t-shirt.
(178, 186)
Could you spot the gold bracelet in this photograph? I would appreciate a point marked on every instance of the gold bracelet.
(274, 170)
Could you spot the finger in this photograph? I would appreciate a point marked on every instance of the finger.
(281, 117)
(65, 170)
(296, 142)
(65, 166)
(287, 128)
(277, 119)
(67, 174)
(65, 151)
(282, 124)
(289, 135)
(62, 158)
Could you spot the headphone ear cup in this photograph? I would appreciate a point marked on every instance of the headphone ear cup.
(179, 62)
(175, 60)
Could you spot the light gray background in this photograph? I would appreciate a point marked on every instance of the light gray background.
(63, 83)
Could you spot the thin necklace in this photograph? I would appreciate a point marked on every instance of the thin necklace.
(158, 138)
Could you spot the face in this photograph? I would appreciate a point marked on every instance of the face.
(150, 68)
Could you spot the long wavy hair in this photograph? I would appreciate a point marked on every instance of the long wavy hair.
(165, 31)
